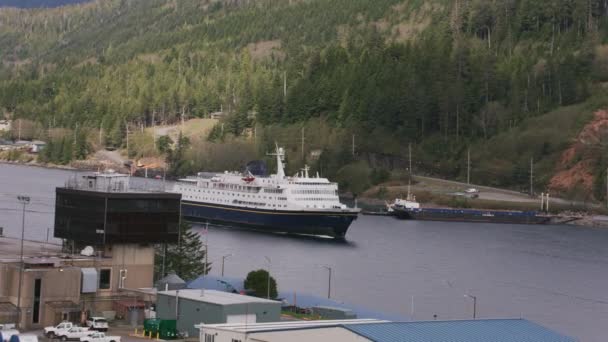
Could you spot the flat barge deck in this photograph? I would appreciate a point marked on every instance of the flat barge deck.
(472, 215)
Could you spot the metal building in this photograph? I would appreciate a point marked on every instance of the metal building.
(361, 330)
(193, 307)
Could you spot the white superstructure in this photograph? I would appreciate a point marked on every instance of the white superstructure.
(300, 192)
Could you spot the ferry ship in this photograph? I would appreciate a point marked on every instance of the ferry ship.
(300, 204)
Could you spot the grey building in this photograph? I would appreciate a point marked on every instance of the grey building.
(194, 307)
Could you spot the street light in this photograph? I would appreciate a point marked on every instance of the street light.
(268, 284)
(223, 259)
(474, 304)
(328, 281)
(25, 200)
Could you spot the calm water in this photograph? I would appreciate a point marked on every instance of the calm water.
(554, 275)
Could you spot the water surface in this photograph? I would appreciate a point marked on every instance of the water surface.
(554, 275)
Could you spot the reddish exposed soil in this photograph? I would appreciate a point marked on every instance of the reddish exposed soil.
(575, 168)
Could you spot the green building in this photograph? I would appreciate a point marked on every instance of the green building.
(213, 307)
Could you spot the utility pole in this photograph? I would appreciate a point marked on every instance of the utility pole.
(224, 260)
(353, 145)
(409, 181)
(532, 176)
(410, 154)
(328, 282)
(207, 248)
(268, 282)
(474, 298)
(25, 200)
(284, 85)
(100, 133)
(303, 159)
(19, 131)
(154, 128)
(127, 136)
(469, 166)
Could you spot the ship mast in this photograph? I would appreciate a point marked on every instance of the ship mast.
(280, 154)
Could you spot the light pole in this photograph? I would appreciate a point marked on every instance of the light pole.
(474, 304)
(25, 200)
(223, 260)
(328, 281)
(268, 283)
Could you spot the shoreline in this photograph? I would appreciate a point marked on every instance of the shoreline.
(42, 166)
(585, 221)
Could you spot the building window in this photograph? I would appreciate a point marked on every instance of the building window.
(105, 276)
(37, 292)
(235, 340)
(209, 338)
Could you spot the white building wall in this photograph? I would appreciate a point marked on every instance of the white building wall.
(330, 334)
(335, 334)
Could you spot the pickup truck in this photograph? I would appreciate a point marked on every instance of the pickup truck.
(100, 337)
(97, 323)
(58, 330)
(74, 333)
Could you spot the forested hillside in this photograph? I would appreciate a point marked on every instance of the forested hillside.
(444, 75)
(38, 3)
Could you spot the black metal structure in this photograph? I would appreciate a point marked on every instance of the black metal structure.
(99, 218)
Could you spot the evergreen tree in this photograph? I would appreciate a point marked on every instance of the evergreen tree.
(258, 282)
(186, 258)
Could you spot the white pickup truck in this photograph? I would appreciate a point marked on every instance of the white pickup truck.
(74, 333)
(99, 337)
(97, 323)
(58, 330)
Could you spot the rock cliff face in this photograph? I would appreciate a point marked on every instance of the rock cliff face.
(575, 170)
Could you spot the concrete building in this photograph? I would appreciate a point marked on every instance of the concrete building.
(57, 286)
(109, 230)
(486, 330)
(292, 331)
(210, 306)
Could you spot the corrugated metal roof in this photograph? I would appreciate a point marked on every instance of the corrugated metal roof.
(486, 330)
(286, 325)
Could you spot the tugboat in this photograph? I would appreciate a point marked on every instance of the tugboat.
(299, 204)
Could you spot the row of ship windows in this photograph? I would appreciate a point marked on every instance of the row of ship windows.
(312, 199)
(250, 189)
(236, 187)
(315, 192)
(258, 204)
(250, 196)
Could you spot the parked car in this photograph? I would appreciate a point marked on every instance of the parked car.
(99, 337)
(74, 333)
(51, 332)
(97, 323)
(471, 191)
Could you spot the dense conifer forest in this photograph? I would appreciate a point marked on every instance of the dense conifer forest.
(447, 76)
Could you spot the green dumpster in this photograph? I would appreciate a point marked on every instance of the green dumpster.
(165, 328)
(168, 329)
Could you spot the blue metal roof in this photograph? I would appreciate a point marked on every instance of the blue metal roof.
(211, 282)
(483, 330)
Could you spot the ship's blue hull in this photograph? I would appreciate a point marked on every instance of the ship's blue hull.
(334, 224)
